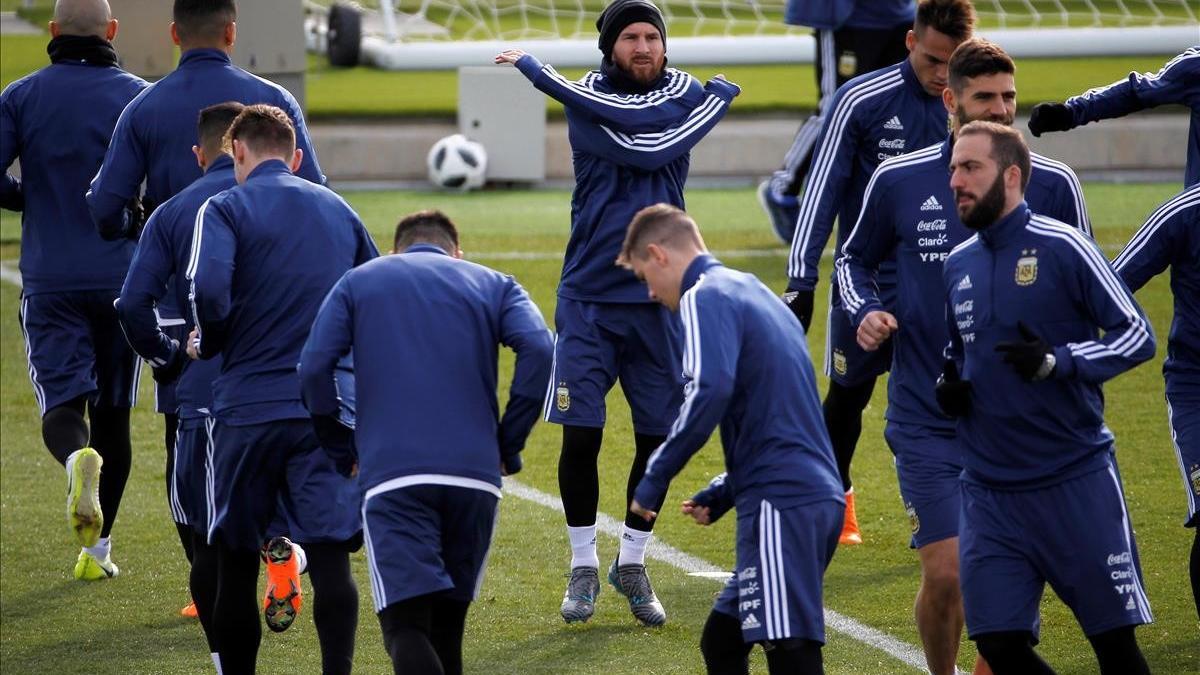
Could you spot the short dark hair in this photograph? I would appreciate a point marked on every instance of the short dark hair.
(202, 20)
(953, 18)
(264, 129)
(1008, 146)
(977, 57)
(214, 121)
(429, 226)
(657, 224)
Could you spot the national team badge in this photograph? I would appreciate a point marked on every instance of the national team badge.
(1195, 478)
(563, 397)
(847, 64)
(1027, 268)
(839, 362)
(913, 520)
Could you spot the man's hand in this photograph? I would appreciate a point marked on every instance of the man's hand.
(700, 514)
(169, 372)
(953, 394)
(339, 440)
(876, 327)
(509, 56)
(1032, 357)
(511, 465)
(801, 304)
(193, 343)
(1050, 117)
(642, 511)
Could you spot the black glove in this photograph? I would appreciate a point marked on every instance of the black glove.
(801, 304)
(338, 441)
(1028, 357)
(1050, 117)
(953, 394)
(512, 464)
(169, 372)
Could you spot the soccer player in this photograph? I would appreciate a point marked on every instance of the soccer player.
(158, 267)
(58, 122)
(1176, 82)
(781, 474)
(871, 118)
(430, 444)
(854, 37)
(1171, 238)
(263, 256)
(632, 126)
(1027, 298)
(897, 222)
(153, 140)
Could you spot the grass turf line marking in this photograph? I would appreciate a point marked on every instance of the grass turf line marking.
(658, 550)
(10, 275)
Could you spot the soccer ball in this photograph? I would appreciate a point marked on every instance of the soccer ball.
(457, 163)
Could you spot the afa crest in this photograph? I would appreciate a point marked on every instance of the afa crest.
(839, 362)
(562, 397)
(1027, 266)
(913, 520)
(847, 64)
(1194, 476)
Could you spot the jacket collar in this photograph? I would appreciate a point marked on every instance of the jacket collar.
(425, 248)
(219, 164)
(910, 78)
(696, 269)
(269, 167)
(203, 55)
(1007, 229)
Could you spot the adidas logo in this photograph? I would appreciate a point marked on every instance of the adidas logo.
(893, 124)
(750, 621)
(1129, 605)
(931, 204)
(965, 284)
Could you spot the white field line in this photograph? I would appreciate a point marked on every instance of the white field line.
(7, 273)
(1110, 249)
(666, 553)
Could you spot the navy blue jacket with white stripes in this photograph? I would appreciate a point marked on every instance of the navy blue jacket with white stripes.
(157, 270)
(1171, 238)
(835, 14)
(747, 369)
(264, 254)
(154, 136)
(909, 215)
(873, 117)
(1176, 82)
(1049, 275)
(430, 326)
(58, 122)
(629, 151)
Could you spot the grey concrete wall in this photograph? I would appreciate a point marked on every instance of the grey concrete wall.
(742, 148)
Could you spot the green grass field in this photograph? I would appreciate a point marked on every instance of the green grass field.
(53, 624)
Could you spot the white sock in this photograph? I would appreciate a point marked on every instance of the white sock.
(583, 546)
(216, 661)
(633, 546)
(102, 548)
(301, 557)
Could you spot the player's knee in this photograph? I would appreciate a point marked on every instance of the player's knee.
(722, 646)
(1005, 651)
(64, 430)
(795, 655)
(1118, 652)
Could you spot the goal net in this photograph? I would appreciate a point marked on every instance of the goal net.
(413, 34)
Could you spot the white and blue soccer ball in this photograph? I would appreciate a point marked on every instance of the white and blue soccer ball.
(457, 163)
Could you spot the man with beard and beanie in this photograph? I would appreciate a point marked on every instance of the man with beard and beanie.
(882, 114)
(1027, 299)
(58, 122)
(632, 125)
(896, 223)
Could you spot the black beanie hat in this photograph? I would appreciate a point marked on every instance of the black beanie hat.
(621, 13)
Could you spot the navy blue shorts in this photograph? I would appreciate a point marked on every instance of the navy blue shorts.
(845, 362)
(599, 343)
(1183, 413)
(928, 466)
(426, 537)
(259, 468)
(775, 592)
(1076, 535)
(187, 490)
(165, 401)
(75, 347)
